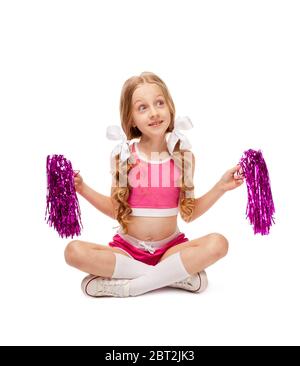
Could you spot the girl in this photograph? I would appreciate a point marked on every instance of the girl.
(152, 182)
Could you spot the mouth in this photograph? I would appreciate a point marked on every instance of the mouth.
(156, 123)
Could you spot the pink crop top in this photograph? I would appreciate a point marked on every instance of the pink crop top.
(155, 189)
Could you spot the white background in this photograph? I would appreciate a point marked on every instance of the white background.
(233, 67)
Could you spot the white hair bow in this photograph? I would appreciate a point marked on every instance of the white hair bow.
(115, 133)
(181, 123)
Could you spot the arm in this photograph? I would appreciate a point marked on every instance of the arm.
(98, 200)
(202, 204)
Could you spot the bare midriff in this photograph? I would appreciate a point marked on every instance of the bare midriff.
(152, 228)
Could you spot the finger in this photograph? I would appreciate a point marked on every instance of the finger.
(241, 172)
(238, 176)
(234, 169)
(76, 172)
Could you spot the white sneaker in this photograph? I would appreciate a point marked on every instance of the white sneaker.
(195, 283)
(96, 286)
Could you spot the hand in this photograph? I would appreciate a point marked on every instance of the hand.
(78, 181)
(232, 179)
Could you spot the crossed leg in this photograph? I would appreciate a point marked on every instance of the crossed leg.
(200, 253)
(100, 260)
(97, 259)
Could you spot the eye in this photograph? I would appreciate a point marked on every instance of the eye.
(141, 107)
(160, 102)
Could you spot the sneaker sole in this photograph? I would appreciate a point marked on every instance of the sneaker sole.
(85, 285)
(203, 282)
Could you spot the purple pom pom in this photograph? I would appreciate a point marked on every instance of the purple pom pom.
(260, 207)
(62, 203)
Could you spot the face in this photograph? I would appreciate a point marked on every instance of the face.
(150, 112)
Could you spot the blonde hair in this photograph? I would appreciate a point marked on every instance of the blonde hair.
(121, 170)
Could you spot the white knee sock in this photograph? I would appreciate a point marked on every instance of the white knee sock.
(163, 274)
(127, 267)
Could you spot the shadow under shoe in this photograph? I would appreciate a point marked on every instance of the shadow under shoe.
(195, 283)
(96, 286)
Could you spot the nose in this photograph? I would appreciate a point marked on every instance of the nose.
(153, 112)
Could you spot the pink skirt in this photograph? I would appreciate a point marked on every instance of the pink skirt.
(146, 255)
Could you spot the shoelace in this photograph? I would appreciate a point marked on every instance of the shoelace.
(109, 286)
(187, 281)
